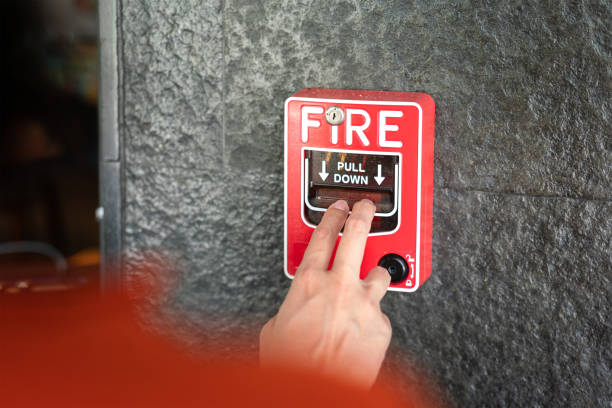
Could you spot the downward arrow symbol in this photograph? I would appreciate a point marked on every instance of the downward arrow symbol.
(379, 179)
(323, 174)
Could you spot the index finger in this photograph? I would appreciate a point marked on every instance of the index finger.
(356, 229)
(324, 237)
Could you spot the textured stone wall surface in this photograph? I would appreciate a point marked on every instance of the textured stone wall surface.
(518, 309)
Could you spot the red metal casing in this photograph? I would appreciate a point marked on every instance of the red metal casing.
(413, 127)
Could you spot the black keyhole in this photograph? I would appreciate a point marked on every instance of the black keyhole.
(396, 266)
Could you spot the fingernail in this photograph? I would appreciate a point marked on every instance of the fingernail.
(341, 205)
(365, 200)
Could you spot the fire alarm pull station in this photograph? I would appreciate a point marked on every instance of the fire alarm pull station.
(350, 145)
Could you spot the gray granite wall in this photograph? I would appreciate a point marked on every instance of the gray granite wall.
(517, 311)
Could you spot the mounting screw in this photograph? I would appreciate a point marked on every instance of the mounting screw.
(334, 115)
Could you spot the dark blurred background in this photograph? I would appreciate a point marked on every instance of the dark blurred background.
(48, 145)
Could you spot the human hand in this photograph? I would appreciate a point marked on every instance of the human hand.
(331, 320)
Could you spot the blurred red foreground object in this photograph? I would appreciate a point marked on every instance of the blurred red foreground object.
(81, 349)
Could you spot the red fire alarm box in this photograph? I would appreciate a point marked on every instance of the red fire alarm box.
(347, 144)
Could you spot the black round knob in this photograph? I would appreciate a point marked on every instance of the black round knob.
(396, 266)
